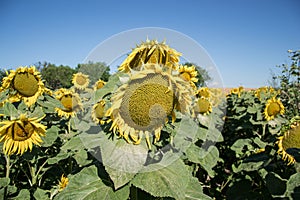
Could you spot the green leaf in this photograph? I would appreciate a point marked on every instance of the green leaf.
(41, 194)
(186, 133)
(248, 166)
(293, 186)
(124, 159)
(239, 146)
(51, 136)
(91, 141)
(194, 191)
(169, 181)
(73, 144)
(10, 110)
(4, 182)
(60, 156)
(24, 194)
(81, 157)
(86, 185)
(207, 158)
(119, 178)
(38, 113)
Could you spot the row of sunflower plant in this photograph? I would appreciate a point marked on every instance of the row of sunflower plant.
(147, 133)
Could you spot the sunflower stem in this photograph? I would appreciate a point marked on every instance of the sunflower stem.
(69, 126)
(8, 166)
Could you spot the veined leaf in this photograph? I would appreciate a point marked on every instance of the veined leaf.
(169, 181)
(86, 185)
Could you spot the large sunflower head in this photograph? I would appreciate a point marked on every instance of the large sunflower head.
(145, 103)
(150, 51)
(80, 80)
(290, 139)
(24, 83)
(99, 84)
(71, 103)
(273, 108)
(18, 135)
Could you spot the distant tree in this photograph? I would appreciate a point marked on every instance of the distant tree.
(202, 76)
(2, 75)
(96, 71)
(56, 76)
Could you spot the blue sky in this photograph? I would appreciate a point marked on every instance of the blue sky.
(244, 38)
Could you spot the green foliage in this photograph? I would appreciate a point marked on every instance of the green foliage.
(289, 80)
(56, 76)
(95, 71)
(202, 76)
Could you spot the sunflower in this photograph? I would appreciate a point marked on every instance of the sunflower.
(19, 134)
(99, 84)
(98, 112)
(71, 103)
(143, 105)
(237, 91)
(290, 139)
(64, 181)
(80, 80)
(263, 91)
(188, 74)
(273, 108)
(24, 84)
(150, 52)
(203, 106)
(203, 92)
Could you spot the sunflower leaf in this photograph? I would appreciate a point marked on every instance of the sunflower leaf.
(87, 185)
(24, 194)
(41, 194)
(10, 110)
(293, 186)
(122, 160)
(194, 190)
(51, 136)
(207, 157)
(164, 182)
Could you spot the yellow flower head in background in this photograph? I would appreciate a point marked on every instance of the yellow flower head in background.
(203, 106)
(25, 83)
(19, 134)
(188, 74)
(153, 52)
(71, 103)
(263, 91)
(237, 91)
(64, 181)
(290, 139)
(98, 112)
(203, 92)
(143, 105)
(99, 84)
(80, 81)
(273, 108)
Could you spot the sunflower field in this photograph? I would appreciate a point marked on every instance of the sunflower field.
(149, 132)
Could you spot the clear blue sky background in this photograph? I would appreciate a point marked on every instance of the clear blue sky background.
(245, 38)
